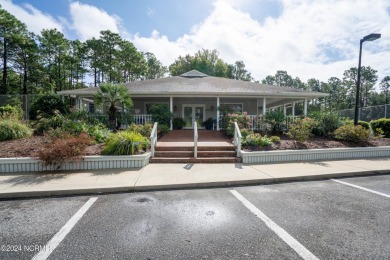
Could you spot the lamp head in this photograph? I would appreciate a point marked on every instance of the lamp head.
(371, 37)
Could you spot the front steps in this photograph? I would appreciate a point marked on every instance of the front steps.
(185, 154)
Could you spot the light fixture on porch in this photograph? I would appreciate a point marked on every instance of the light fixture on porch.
(175, 108)
(212, 108)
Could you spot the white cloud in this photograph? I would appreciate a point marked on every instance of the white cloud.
(88, 20)
(150, 12)
(34, 19)
(300, 40)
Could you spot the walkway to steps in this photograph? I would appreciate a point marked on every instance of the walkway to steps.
(178, 147)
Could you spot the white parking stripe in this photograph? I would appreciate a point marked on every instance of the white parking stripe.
(60, 235)
(362, 188)
(286, 237)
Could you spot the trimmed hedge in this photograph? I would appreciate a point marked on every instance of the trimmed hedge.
(352, 133)
(364, 124)
(383, 123)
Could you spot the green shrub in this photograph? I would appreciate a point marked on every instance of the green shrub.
(383, 124)
(44, 124)
(351, 133)
(301, 129)
(245, 132)
(275, 119)
(178, 123)
(242, 119)
(47, 106)
(161, 114)
(253, 139)
(63, 148)
(328, 122)
(144, 130)
(364, 124)
(9, 112)
(265, 141)
(275, 139)
(125, 143)
(162, 129)
(13, 129)
(98, 132)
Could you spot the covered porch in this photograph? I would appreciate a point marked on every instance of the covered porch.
(199, 109)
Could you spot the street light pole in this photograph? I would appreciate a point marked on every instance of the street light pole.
(370, 37)
(357, 101)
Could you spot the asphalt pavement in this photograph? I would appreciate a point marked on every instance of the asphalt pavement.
(325, 219)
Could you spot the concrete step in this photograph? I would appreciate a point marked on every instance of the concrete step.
(196, 160)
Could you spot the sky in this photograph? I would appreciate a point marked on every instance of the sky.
(307, 38)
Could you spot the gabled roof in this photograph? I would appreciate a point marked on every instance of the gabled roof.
(195, 83)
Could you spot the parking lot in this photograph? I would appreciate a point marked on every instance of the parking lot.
(332, 219)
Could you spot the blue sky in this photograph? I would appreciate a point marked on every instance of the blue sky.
(308, 38)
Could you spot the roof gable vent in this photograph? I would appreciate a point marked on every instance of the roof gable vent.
(194, 74)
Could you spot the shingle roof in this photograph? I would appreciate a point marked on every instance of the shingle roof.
(202, 85)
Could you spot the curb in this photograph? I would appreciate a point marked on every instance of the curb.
(220, 184)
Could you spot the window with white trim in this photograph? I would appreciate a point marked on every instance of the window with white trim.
(148, 106)
(232, 107)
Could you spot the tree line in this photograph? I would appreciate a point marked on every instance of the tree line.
(342, 92)
(48, 62)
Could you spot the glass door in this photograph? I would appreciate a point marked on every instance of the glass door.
(188, 118)
(192, 113)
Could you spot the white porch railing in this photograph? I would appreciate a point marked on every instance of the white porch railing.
(237, 139)
(195, 140)
(141, 119)
(290, 119)
(255, 121)
(153, 139)
(258, 121)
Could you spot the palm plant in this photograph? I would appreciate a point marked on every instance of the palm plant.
(113, 95)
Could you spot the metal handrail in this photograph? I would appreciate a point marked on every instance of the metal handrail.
(237, 139)
(195, 140)
(153, 138)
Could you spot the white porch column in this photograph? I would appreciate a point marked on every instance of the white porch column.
(217, 113)
(79, 103)
(284, 109)
(293, 108)
(171, 109)
(264, 105)
(305, 107)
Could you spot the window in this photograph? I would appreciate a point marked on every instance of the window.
(148, 106)
(232, 107)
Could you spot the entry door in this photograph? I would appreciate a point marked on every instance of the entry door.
(192, 113)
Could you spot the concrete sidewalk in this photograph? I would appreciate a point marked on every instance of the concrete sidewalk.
(175, 176)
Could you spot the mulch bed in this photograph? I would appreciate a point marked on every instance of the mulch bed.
(29, 147)
(317, 143)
